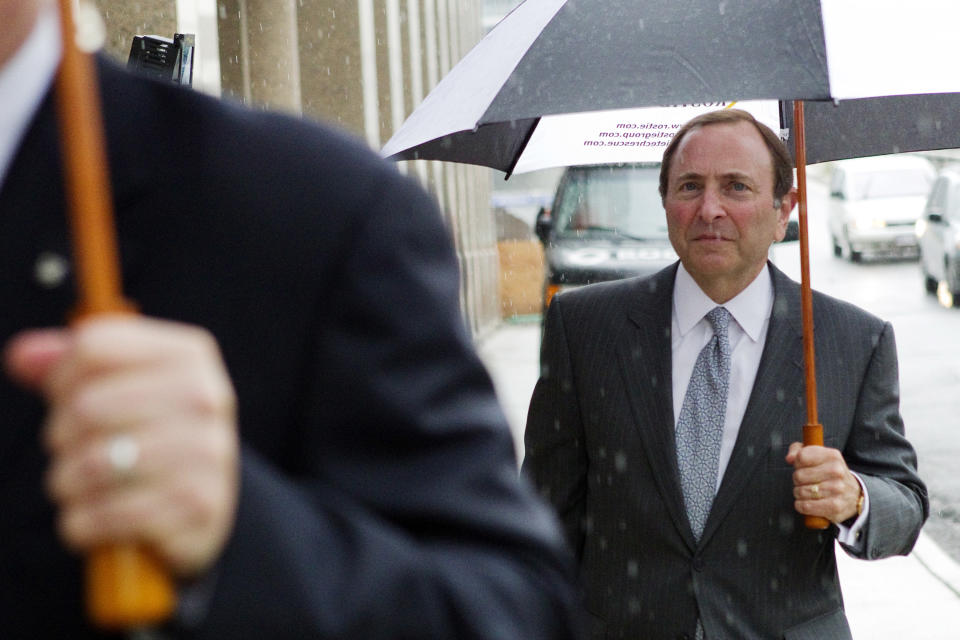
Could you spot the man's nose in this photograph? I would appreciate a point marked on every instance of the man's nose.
(711, 206)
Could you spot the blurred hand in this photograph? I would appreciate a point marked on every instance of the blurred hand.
(156, 395)
(822, 483)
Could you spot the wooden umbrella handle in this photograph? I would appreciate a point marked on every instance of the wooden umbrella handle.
(813, 430)
(127, 585)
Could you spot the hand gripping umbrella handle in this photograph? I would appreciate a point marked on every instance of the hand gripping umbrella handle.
(127, 585)
(813, 435)
(812, 431)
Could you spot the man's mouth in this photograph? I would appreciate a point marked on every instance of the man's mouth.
(710, 236)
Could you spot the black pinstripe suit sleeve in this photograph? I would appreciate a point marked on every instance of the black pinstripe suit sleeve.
(877, 449)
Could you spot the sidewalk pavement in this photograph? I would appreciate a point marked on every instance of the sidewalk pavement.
(916, 597)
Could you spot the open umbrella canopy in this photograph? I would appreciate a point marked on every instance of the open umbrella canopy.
(618, 135)
(877, 126)
(553, 57)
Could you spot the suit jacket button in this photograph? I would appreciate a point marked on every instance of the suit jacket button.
(698, 564)
(684, 636)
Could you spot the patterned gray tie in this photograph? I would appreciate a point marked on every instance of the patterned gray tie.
(700, 427)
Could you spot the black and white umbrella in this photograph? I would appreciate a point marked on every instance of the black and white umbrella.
(541, 76)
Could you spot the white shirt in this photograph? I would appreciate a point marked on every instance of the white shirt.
(690, 331)
(25, 80)
(750, 311)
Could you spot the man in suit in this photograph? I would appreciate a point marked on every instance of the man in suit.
(626, 424)
(297, 424)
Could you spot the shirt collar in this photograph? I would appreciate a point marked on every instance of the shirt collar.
(750, 308)
(24, 82)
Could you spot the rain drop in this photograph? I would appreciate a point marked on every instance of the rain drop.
(620, 461)
(787, 523)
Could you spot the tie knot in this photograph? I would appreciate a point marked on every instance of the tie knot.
(719, 318)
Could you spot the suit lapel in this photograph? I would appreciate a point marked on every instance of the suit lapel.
(646, 366)
(769, 417)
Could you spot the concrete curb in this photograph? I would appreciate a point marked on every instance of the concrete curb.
(937, 563)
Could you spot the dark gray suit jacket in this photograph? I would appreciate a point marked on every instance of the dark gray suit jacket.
(600, 447)
(379, 495)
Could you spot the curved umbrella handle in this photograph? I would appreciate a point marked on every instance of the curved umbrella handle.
(127, 586)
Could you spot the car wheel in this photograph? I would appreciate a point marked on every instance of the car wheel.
(837, 249)
(930, 284)
(847, 249)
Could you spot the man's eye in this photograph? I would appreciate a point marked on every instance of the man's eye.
(688, 186)
(738, 186)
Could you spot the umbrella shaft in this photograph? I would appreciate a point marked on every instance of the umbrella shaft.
(806, 293)
(126, 586)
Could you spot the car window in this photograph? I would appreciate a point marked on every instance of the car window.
(938, 197)
(953, 213)
(836, 183)
(616, 200)
(888, 184)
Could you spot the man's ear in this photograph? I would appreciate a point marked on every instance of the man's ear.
(788, 202)
(784, 206)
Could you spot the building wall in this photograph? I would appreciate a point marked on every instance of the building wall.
(126, 18)
(363, 65)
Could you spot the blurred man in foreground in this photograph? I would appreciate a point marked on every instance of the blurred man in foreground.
(306, 438)
(662, 423)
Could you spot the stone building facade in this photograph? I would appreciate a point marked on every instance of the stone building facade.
(362, 64)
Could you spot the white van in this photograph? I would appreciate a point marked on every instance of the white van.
(606, 223)
(875, 203)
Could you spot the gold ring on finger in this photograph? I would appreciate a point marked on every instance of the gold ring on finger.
(815, 490)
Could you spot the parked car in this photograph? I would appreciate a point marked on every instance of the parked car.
(606, 222)
(875, 204)
(938, 232)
